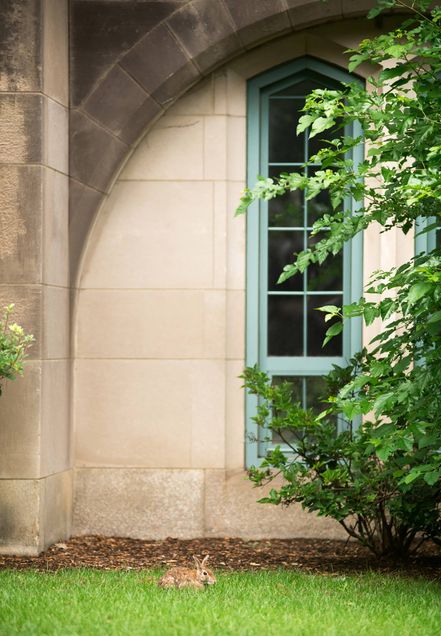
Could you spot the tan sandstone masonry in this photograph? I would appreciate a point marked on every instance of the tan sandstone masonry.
(35, 456)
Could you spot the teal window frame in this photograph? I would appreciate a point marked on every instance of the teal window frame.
(425, 242)
(259, 90)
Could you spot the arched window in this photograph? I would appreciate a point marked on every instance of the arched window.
(284, 331)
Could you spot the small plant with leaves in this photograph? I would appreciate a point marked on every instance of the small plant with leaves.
(382, 479)
(14, 343)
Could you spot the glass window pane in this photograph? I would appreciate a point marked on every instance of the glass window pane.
(329, 275)
(285, 325)
(281, 248)
(317, 327)
(299, 89)
(285, 211)
(284, 144)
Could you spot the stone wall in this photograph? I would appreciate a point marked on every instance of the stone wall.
(35, 453)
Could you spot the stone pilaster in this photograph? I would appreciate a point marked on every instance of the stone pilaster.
(35, 462)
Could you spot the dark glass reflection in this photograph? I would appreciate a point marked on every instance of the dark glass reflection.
(329, 275)
(285, 146)
(287, 210)
(285, 325)
(317, 327)
(300, 89)
(281, 248)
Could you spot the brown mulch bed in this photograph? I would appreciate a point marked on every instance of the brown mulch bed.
(305, 555)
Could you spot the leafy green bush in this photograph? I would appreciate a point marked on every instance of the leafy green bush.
(382, 479)
(13, 346)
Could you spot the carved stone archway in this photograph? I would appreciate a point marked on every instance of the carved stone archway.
(131, 60)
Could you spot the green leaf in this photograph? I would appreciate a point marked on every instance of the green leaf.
(329, 309)
(320, 124)
(304, 122)
(436, 317)
(432, 477)
(417, 291)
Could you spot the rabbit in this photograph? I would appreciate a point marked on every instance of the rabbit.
(185, 577)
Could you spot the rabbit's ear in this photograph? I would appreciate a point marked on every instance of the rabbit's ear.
(205, 559)
(198, 563)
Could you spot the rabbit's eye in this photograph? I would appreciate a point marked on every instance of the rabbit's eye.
(205, 573)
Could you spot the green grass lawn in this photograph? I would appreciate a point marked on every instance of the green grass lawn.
(88, 602)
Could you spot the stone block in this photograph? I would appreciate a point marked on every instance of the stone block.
(163, 76)
(137, 240)
(56, 334)
(56, 142)
(232, 511)
(353, 8)
(20, 516)
(235, 324)
(159, 417)
(55, 50)
(234, 416)
(56, 508)
(236, 243)
(121, 105)
(56, 228)
(220, 235)
(215, 147)
(21, 128)
(199, 100)
(20, 224)
(55, 417)
(83, 205)
(172, 150)
(162, 324)
(95, 154)
(20, 425)
(143, 420)
(304, 13)
(258, 21)
(139, 503)
(206, 32)
(236, 161)
(101, 32)
(20, 44)
(207, 413)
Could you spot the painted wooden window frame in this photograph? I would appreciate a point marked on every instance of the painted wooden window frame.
(259, 89)
(425, 242)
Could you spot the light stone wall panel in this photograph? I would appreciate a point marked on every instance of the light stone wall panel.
(234, 416)
(20, 525)
(149, 413)
(56, 455)
(56, 228)
(56, 323)
(20, 408)
(153, 235)
(155, 324)
(172, 151)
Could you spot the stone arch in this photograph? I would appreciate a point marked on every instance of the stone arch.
(124, 79)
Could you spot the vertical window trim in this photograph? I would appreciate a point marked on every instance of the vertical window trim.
(353, 276)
